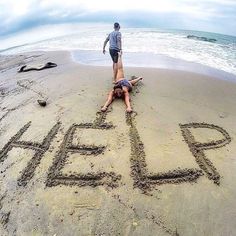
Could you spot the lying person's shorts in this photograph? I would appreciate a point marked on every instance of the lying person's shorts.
(114, 55)
(123, 83)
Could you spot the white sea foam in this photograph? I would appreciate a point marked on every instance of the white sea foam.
(220, 55)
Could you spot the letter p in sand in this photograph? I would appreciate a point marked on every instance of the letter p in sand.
(197, 149)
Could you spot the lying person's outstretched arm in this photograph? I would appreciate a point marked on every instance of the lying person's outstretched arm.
(108, 101)
(127, 100)
(134, 81)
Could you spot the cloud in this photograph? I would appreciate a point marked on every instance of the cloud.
(208, 15)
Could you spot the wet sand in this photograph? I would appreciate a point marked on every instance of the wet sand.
(168, 168)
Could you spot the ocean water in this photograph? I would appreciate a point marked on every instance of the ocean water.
(149, 45)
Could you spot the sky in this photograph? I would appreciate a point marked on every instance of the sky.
(204, 15)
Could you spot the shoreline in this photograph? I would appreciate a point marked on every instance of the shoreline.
(149, 60)
(184, 67)
(142, 60)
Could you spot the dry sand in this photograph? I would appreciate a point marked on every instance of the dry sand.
(66, 169)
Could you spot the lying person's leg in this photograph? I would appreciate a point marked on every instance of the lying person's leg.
(115, 70)
(120, 70)
(108, 101)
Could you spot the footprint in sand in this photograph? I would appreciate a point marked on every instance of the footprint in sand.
(223, 115)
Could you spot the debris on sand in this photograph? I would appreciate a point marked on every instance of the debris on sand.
(46, 66)
(42, 103)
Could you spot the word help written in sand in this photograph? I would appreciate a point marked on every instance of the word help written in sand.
(143, 179)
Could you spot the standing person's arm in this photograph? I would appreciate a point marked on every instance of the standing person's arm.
(105, 43)
(119, 42)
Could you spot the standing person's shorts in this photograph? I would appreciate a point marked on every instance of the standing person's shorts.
(114, 55)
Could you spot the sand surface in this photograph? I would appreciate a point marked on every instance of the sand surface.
(169, 168)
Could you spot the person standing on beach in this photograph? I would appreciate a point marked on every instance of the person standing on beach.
(114, 39)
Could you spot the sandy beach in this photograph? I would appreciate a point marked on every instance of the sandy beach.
(169, 168)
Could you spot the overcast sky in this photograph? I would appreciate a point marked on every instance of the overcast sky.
(205, 15)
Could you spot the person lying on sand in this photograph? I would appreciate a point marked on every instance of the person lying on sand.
(121, 89)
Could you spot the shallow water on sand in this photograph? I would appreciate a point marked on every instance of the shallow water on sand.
(96, 58)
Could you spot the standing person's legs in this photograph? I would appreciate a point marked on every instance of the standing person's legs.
(114, 57)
